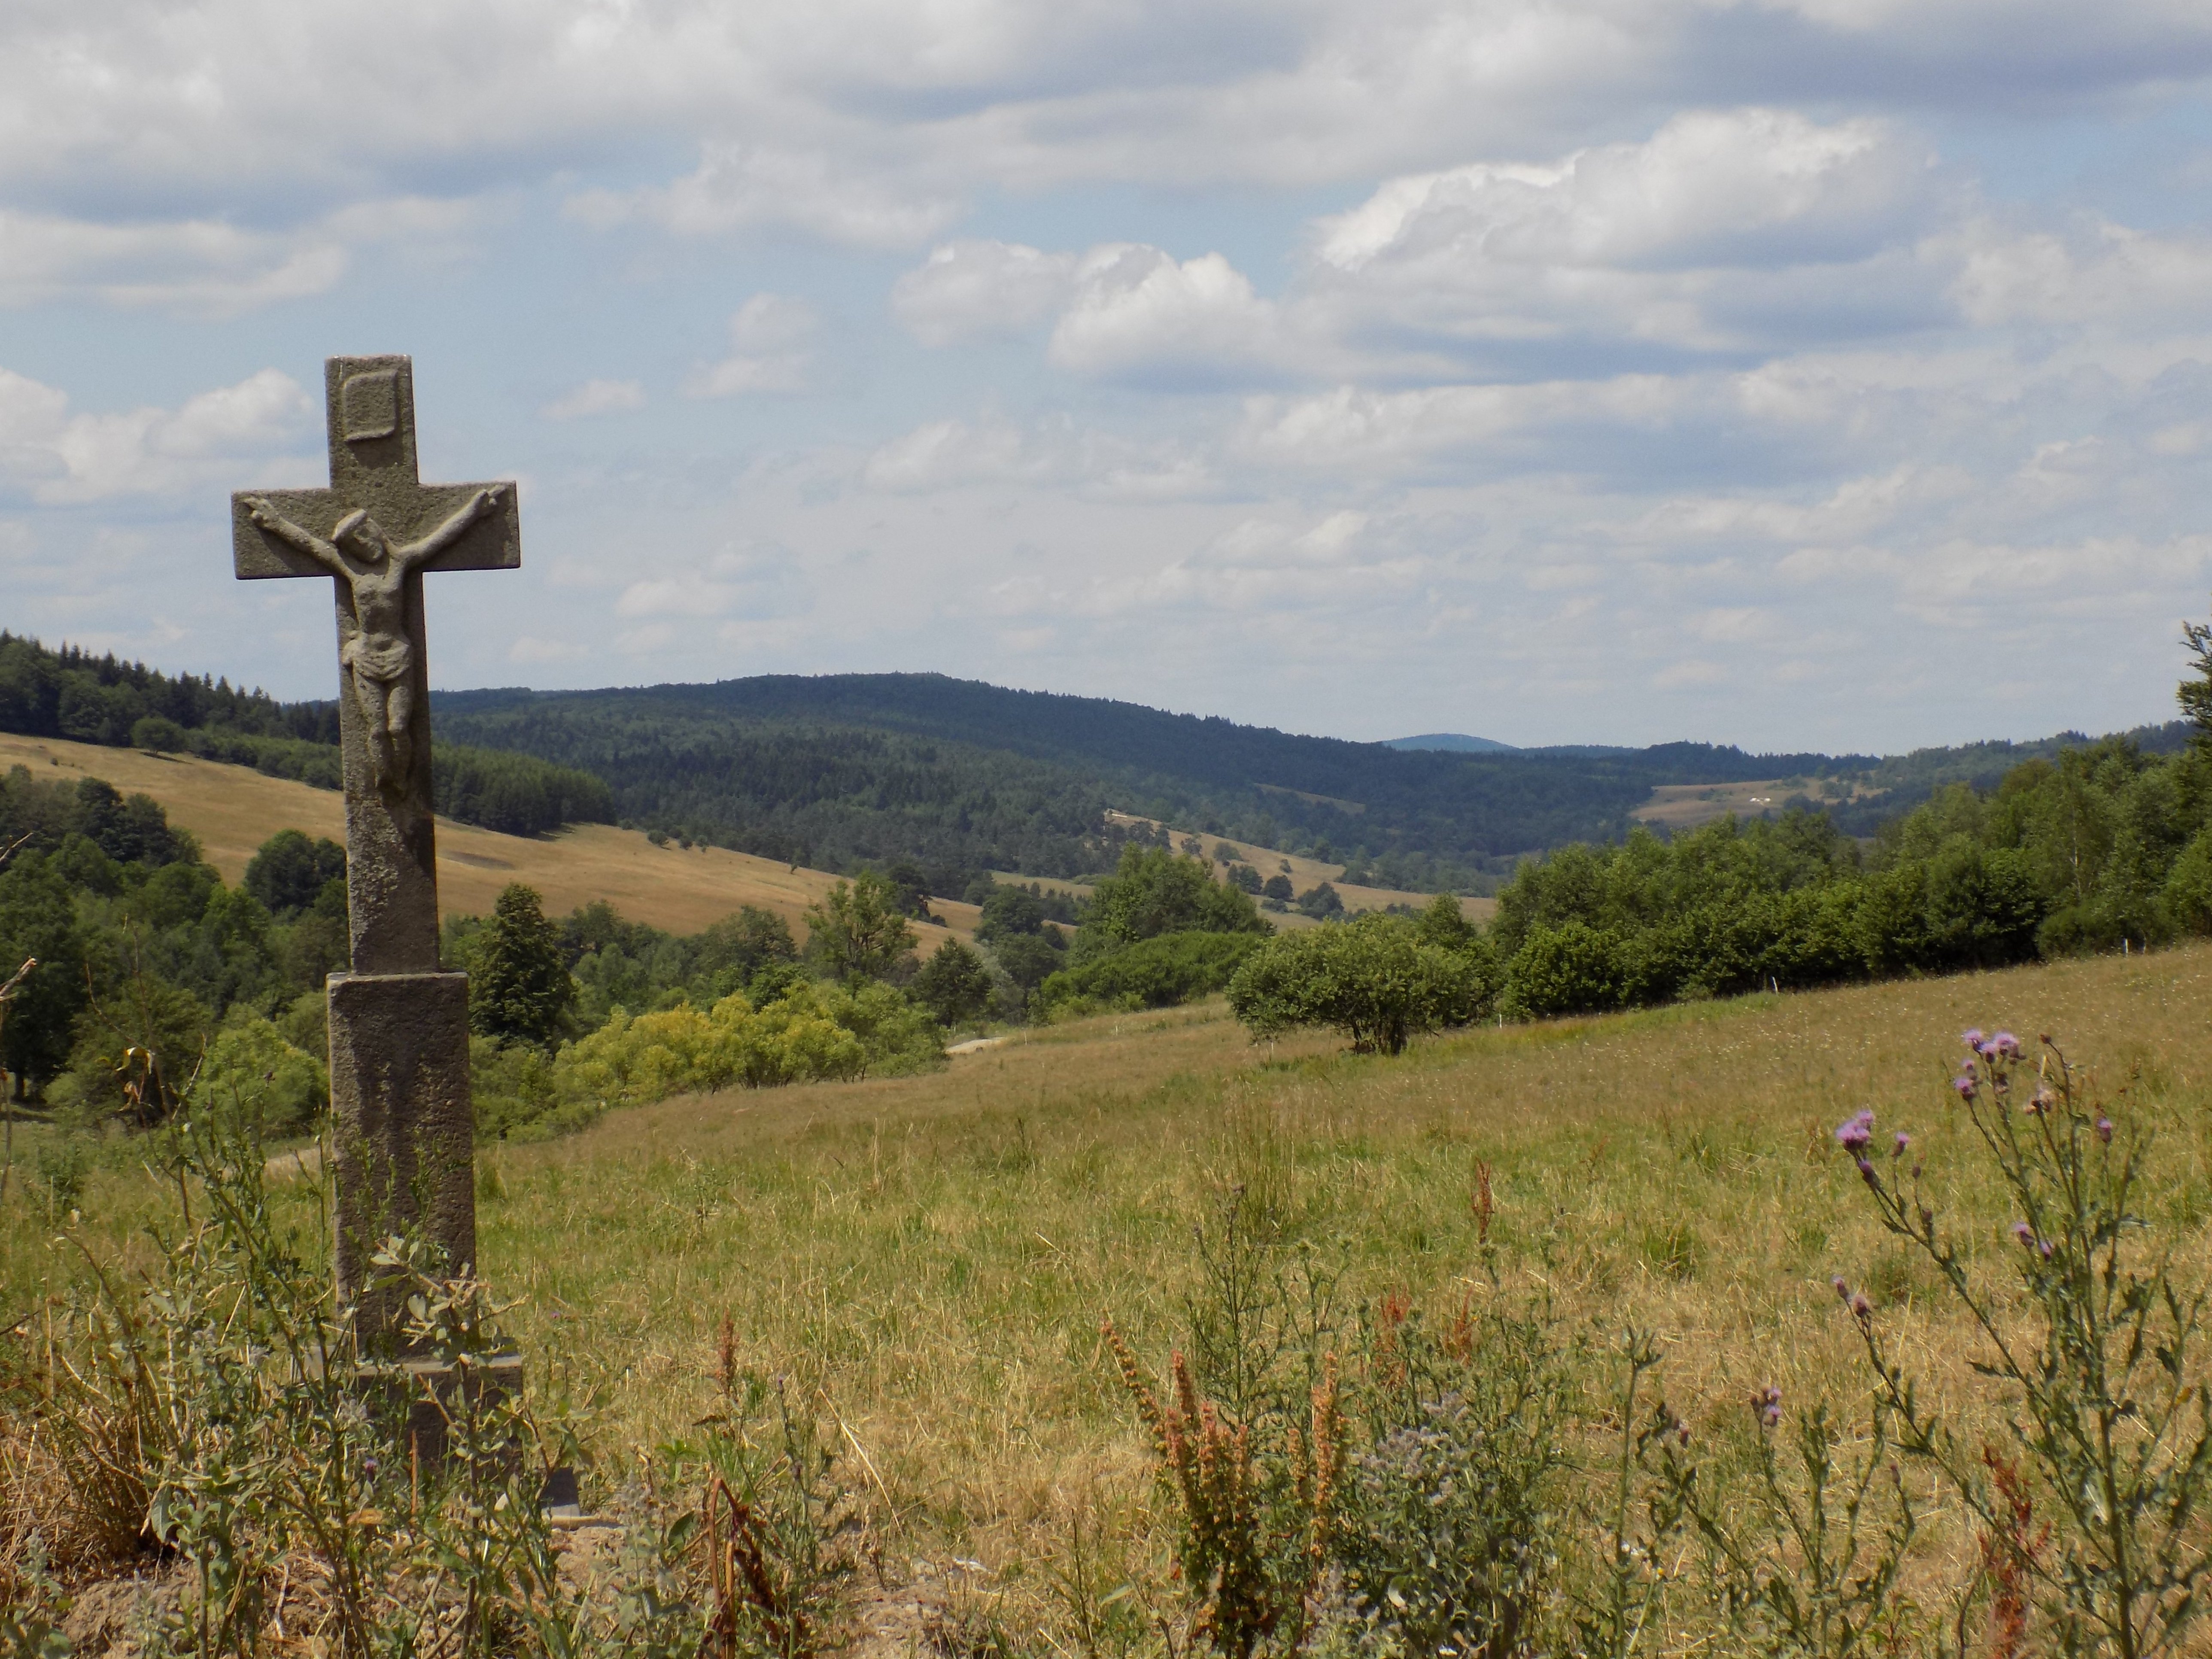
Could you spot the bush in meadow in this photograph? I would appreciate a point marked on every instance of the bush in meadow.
(1375, 979)
(811, 1033)
(1154, 972)
(249, 1064)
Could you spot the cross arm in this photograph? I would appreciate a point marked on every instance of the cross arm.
(493, 541)
(256, 552)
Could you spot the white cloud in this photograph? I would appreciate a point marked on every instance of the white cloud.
(65, 459)
(2100, 272)
(770, 335)
(952, 454)
(1742, 187)
(1137, 314)
(201, 266)
(746, 582)
(738, 186)
(976, 290)
(596, 398)
(529, 651)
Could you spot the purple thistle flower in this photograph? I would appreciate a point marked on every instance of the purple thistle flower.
(1767, 1403)
(2005, 1044)
(1862, 1310)
(1867, 1174)
(1854, 1135)
(2104, 1130)
(1967, 1085)
(2043, 1245)
(1972, 1039)
(2023, 1232)
(1903, 1141)
(1843, 1290)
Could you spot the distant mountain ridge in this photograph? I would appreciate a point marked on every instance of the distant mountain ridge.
(1457, 743)
(837, 770)
(844, 768)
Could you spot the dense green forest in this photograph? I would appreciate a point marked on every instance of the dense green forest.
(845, 771)
(837, 769)
(72, 694)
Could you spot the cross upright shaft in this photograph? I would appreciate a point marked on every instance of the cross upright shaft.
(403, 1127)
(376, 529)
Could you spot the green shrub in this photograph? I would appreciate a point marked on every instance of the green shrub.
(811, 1033)
(1373, 979)
(158, 735)
(1154, 972)
(953, 985)
(515, 1096)
(1573, 969)
(1151, 892)
(249, 1065)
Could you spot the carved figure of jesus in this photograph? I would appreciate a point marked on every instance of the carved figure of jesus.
(378, 651)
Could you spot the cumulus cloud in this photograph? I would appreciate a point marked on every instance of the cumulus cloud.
(977, 289)
(200, 266)
(1759, 187)
(769, 337)
(596, 398)
(1137, 314)
(737, 187)
(1724, 230)
(952, 454)
(60, 458)
(748, 582)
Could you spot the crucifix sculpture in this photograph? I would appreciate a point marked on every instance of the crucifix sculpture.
(404, 1139)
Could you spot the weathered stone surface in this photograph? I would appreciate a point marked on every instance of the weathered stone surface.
(399, 1029)
(401, 1127)
(375, 531)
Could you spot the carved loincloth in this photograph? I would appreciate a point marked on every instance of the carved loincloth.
(387, 661)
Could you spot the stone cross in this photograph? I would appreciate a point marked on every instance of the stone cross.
(399, 1028)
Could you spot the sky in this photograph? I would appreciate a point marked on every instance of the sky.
(1794, 373)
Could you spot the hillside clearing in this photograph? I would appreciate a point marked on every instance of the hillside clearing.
(234, 809)
(1305, 874)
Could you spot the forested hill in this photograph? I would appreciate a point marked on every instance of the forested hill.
(837, 769)
(959, 776)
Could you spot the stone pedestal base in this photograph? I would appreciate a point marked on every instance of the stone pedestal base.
(402, 1131)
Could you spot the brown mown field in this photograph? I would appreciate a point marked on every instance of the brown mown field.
(926, 1259)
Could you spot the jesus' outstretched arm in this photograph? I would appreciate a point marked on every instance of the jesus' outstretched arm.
(483, 503)
(267, 518)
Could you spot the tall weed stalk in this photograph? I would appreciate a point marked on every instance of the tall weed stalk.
(2097, 1348)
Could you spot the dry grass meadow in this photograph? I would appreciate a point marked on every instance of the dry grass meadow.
(928, 1259)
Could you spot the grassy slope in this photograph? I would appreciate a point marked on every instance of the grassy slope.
(234, 809)
(931, 1255)
(934, 1253)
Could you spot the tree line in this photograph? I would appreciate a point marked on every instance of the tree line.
(73, 695)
